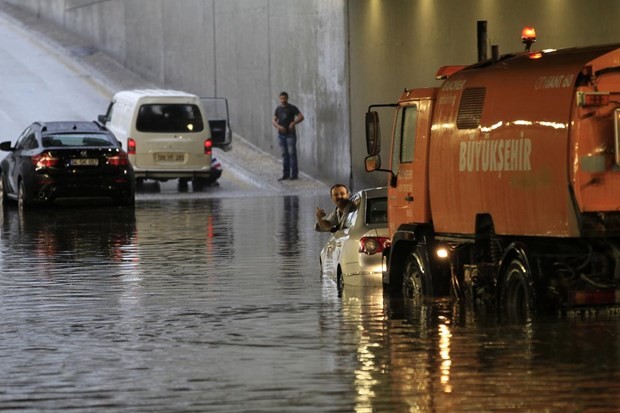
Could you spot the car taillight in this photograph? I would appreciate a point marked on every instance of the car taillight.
(44, 160)
(119, 160)
(131, 146)
(208, 146)
(373, 245)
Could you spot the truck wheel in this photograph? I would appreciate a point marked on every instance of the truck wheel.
(415, 286)
(517, 293)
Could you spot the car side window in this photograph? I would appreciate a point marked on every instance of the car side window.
(30, 142)
(376, 211)
(26, 141)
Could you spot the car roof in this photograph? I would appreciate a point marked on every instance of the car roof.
(70, 126)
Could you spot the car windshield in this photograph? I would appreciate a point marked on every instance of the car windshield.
(170, 118)
(77, 140)
(376, 211)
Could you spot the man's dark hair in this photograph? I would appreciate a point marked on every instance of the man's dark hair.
(338, 186)
(284, 94)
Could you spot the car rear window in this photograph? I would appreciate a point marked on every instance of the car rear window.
(77, 140)
(376, 211)
(169, 118)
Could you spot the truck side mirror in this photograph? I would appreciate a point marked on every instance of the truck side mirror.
(373, 133)
(372, 163)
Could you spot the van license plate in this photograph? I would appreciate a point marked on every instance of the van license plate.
(169, 157)
(84, 162)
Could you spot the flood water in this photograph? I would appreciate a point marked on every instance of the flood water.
(217, 305)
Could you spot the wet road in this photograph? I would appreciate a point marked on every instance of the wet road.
(216, 304)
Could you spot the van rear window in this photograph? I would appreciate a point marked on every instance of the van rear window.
(169, 118)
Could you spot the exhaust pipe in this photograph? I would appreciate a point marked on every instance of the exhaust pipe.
(482, 40)
(495, 52)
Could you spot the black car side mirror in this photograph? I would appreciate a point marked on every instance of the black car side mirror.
(102, 118)
(6, 146)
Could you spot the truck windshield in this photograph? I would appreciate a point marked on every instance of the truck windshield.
(169, 118)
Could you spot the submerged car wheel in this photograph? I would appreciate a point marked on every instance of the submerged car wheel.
(339, 280)
(125, 199)
(23, 198)
(3, 197)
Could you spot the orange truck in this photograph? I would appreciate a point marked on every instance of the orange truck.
(504, 182)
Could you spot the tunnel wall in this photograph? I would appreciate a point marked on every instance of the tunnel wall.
(334, 57)
(245, 50)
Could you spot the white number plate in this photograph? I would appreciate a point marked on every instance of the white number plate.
(84, 162)
(169, 157)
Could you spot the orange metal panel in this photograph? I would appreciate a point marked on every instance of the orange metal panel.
(515, 165)
(594, 175)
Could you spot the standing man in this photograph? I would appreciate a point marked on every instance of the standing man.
(284, 120)
(340, 197)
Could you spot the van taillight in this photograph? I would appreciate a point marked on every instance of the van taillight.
(131, 146)
(208, 146)
(44, 160)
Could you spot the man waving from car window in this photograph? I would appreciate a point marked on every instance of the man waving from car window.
(340, 196)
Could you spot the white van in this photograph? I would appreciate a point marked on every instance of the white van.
(167, 133)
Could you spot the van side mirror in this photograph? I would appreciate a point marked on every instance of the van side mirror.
(102, 119)
(373, 133)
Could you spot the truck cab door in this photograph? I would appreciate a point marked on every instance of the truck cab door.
(408, 190)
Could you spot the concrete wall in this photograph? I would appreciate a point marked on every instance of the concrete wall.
(245, 50)
(334, 57)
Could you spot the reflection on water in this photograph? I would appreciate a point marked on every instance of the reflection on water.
(217, 305)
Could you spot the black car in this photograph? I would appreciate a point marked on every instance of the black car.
(53, 160)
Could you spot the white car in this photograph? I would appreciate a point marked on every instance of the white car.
(353, 253)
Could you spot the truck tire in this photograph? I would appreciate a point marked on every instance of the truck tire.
(517, 296)
(415, 283)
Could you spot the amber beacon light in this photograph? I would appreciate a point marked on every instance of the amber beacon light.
(528, 37)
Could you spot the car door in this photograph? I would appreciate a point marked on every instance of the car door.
(340, 238)
(333, 247)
